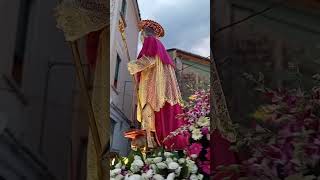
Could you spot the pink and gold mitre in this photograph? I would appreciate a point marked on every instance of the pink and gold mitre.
(158, 29)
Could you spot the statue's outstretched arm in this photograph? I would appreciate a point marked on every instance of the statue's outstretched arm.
(143, 63)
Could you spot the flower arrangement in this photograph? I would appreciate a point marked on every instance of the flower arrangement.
(193, 163)
(285, 143)
(158, 165)
(197, 127)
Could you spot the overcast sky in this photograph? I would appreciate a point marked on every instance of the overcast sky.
(186, 23)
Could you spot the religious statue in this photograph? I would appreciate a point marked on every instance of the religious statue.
(158, 96)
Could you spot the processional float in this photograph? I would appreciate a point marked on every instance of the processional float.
(84, 19)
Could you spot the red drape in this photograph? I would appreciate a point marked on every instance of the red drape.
(167, 122)
(92, 45)
(221, 154)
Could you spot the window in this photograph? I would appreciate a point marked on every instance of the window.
(21, 37)
(116, 76)
(124, 8)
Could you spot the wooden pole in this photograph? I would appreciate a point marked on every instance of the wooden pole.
(92, 122)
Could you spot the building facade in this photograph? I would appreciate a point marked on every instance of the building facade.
(37, 84)
(281, 43)
(124, 34)
(192, 71)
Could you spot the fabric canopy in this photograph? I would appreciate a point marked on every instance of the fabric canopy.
(78, 18)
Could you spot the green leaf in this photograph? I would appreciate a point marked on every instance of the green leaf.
(184, 172)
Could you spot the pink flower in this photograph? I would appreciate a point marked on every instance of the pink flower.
(208, 154)
(205, 167)
(205, 131)
(195, 148)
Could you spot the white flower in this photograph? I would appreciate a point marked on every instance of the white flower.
(134, 168)
(119, 177)
(208, 137)
(196, 134)
(148, 160)
(135, 177)
(169, 160)
(193, 177)
(138, 163)
(161, 165)
(137, 158)
(200, 176)
(181, 160)
(127, 176)
(118, 166)
(178, 171)
(153, 166)
(194, 168)
(158, 177)
(157, 159)
(173, 165)
(149, 173)
(146, 176)
(168, 154)
(189, 161)
(191, 128)
(194, 156)
(171, 176)
(203, 121)
(115, 172)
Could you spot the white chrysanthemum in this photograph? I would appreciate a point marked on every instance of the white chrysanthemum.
(203, 121)
(178, 171)
(153, 166)
(193, 177)
(161, 165)
(181, 160)
(158, 177)
(135, 177)
(189, 161)
(119, 177)
(118, 166)
(192, 127)
(137, 158)
(168, 154)
(173, 166)
(194, 168)
(149, 161)
(171, 176)
(157, 159)
(200, 176)
(148, 174)
(115, 172)
(169, 160)
(196, 134)
(138, 163)
(134, 168)
(194, 156)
